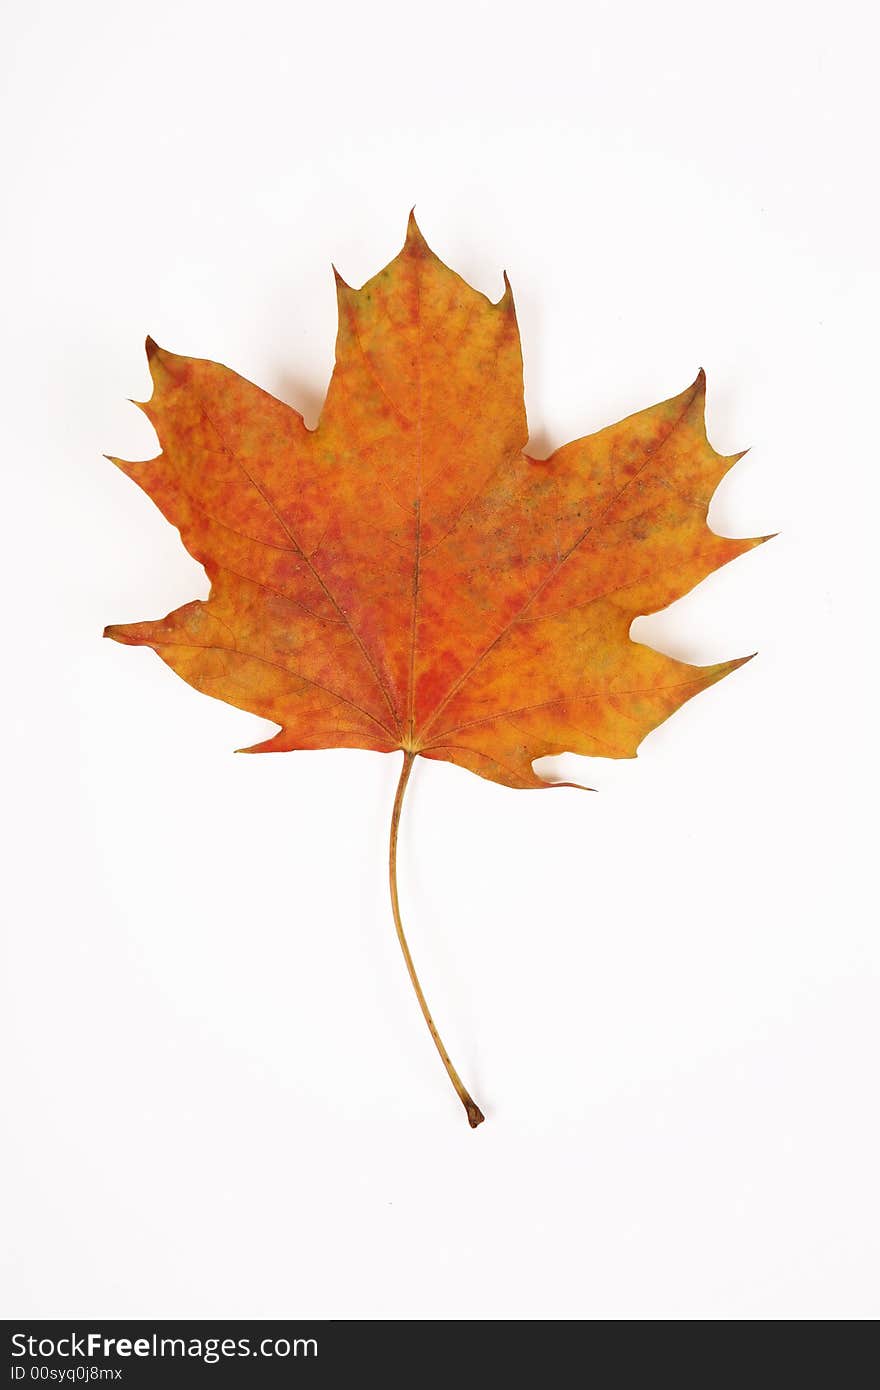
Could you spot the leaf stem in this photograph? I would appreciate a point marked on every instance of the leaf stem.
(474, 1113)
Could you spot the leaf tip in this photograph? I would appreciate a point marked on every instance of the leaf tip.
(545, 784)
(740, 661)
(506, 300)
(345, 294)
(413, 231)
(158, 361)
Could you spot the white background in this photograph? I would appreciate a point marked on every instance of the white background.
(220, 1097)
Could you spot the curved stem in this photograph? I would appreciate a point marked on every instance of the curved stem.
(474, 1113)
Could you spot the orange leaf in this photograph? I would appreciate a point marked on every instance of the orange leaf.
(406, 577)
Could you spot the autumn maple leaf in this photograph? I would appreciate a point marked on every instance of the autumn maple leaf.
(404, 576)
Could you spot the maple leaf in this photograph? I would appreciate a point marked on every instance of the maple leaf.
(405, 576)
